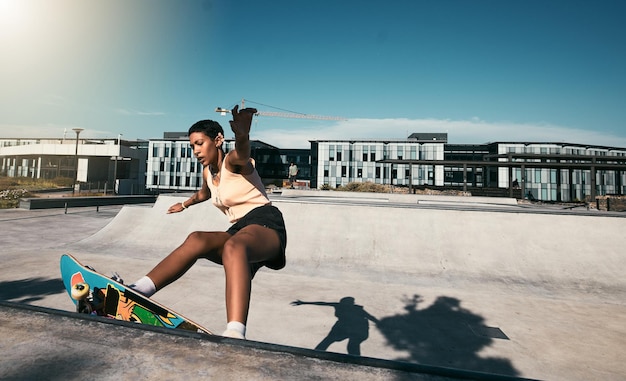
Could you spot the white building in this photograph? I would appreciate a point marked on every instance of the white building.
(106, 162)
(339, 162)
(172, 167)
(562, 171)
(535, 170)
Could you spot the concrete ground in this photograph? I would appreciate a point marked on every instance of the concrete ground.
(479, 285)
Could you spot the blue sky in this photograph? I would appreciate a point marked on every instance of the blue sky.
(480, 70)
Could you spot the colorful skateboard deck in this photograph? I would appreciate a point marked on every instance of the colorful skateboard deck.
(94, 293)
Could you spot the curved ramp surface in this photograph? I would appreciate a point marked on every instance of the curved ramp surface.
(507, 291)
(397, 242)
(149, 230)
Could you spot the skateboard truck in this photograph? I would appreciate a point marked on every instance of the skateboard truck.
(87, 302)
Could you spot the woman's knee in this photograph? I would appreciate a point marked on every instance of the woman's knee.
(194, 237)
(234, 251)
(205, 243)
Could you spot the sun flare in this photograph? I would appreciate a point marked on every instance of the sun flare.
(13, 16)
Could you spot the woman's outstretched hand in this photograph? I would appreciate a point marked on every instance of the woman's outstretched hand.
(242, 120)
(176, 208)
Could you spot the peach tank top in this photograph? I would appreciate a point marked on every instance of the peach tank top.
(238, 194)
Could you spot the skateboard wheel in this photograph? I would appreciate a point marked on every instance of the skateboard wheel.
(80, 291)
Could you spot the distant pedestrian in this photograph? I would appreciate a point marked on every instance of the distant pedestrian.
(293, 172)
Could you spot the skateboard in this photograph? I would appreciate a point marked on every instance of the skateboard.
(96, 294)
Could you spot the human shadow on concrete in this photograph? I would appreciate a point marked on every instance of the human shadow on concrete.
(30, 289)
(444, 334)
(352, 324)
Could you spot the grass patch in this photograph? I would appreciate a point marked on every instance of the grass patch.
(7, 183)
(14, 188)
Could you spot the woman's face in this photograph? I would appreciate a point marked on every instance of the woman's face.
(204, 148)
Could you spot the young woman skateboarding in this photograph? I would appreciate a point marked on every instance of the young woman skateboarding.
(257, 237)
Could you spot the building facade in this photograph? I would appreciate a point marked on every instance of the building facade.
(339, 162)
(113, 163)
(542, 171)
(561, 171)
(537, 170)
(172, 167)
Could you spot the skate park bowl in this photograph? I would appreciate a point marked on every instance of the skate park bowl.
(477, 284)
(394, 241)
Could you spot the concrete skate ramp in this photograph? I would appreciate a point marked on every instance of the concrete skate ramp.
(402, 242)
(146, 230)
(65, 347)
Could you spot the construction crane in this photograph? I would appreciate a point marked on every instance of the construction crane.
(224, 111)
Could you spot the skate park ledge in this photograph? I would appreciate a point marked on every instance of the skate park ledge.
(79, 346)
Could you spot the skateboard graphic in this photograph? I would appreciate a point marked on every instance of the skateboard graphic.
(96, 294)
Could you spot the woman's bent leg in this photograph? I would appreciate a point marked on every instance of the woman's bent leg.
(197, 245)
(254, 243)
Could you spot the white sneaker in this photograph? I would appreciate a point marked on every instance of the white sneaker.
(233, 334)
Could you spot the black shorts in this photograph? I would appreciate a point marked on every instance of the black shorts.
(270, 217)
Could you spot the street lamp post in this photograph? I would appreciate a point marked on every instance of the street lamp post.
(119, 148)
(78, 131)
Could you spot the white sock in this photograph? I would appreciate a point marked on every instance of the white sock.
(144, 286)
(237, 327)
